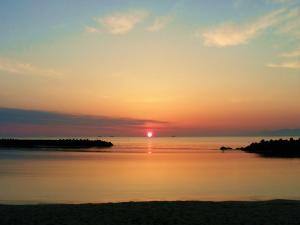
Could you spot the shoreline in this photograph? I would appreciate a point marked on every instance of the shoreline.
(155, 212)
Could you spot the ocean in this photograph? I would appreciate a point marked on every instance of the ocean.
(148, 169)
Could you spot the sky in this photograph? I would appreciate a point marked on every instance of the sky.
(116, 67)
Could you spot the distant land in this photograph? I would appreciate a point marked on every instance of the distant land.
(280, 132)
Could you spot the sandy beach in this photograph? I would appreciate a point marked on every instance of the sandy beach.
(284, 212)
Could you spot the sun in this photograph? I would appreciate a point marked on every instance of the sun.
(149, 134)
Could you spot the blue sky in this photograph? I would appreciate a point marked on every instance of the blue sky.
(33, 20)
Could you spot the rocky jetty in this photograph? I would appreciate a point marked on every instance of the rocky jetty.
(60, 143)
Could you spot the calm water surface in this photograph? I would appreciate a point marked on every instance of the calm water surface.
(140, 169)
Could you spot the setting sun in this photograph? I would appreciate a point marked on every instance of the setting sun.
(149, 134)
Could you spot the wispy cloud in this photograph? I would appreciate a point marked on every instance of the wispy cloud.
(16, 119)
(90, 29)
(245, 3)
(24, 116)
(231, 34)
(291, 27)
(160, 23)
(287, 65)
(279, 1)
(163, 21)
(293, 63)
(291, 54)
(10, 66)
(121, 23)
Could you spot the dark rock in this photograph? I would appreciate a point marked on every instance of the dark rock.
(275, 148)
(223, 148)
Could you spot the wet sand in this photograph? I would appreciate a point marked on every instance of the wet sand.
(277, 212)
